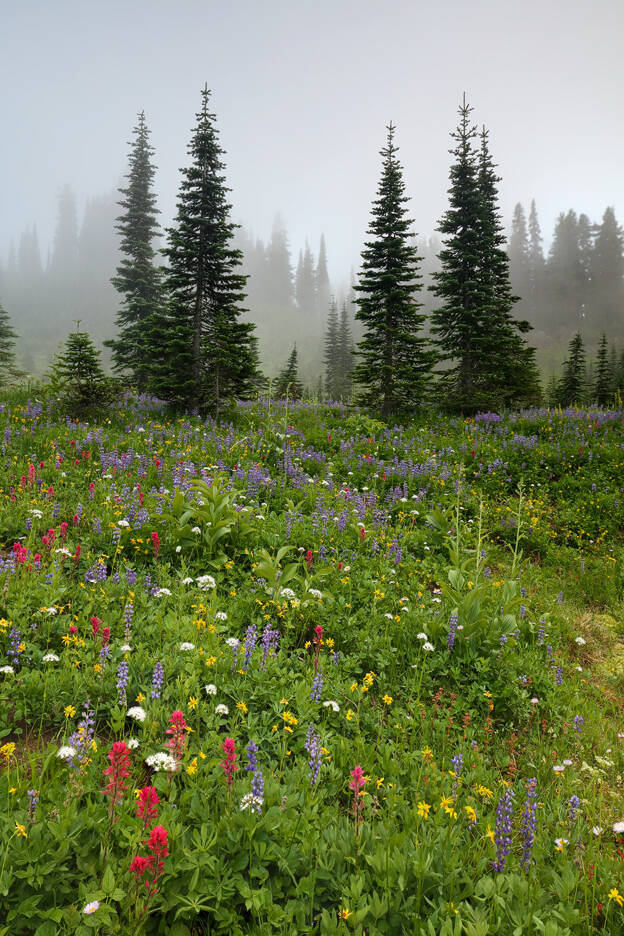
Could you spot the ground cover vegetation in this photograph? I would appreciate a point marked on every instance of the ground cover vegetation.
(297, 670)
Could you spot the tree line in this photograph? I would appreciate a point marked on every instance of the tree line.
(185, 333)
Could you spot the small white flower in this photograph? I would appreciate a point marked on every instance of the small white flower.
(7, 669)
(567, 762)
(51, 658)
(125, 648)
(140, 429)
(287, 593)
(618, 826)
(133, 743)
(232, 642)
(51, 611)
(205, 582)
(178, 549)
(64, 551)
(580, 641)
(222, 710)
(405, 610)
(388, 615)
(315, 593)
(210, 689)
(162, 761)
(597, 830)
(163, 591)
(36, 513)
(187, 646)
(92, 907)
(123, 523)
(187, 581)
(559, 768)
(136, 712)
(220, 616)
(332, 705)
(249, 800)
(579, 669)
(196, 530)
(428, 646)
(421, 637)
(534, 700)
(66, 752)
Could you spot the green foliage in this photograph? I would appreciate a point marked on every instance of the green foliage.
(8, 370)
(572, 384)
(394, 363)
(288, 385)
(76, 374)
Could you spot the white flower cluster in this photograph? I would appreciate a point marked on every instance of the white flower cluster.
(220, 616)
(205, 582)
(210, 689)
(37, 514)
(315, 593)
(251, 801)
(162, 761)
(287, 593)
(332, 705)
(222, 710)
(7, 669)
(132, 743)
(66, 752)
(187, 646)
(232, 642)
(162, 591)
(137, 712)
(51, 658)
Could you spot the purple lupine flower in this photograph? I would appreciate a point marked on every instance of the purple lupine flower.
(541, 634)
(104, 651)
(116, 535)
(502, 832)
(487, 572)
(82, 739)
(252, 759)
(257, 791)
(251, 637)
(452, 630)
(528, 823)
(269, 643)
(127, 616)
(523, 592)
(312, 748)
(131, 577)
(317, 687)
(502, 639)
(458, 763)
(158, 678)
(14, 650)
(97, 526)
(33, 799)
(522, 612)
(559, 676)
(122, 681)
(28, 524)
(335, 657)
(560, 598)
(573, 803)
(578, 722)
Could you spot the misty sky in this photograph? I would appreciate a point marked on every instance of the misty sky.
(302, 94)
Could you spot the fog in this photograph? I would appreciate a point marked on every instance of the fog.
(302, 95)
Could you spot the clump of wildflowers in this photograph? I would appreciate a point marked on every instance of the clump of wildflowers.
(312, 747)
(178, 739)
(118, 772)
(229, 764)
(502, 833)
(528, 823)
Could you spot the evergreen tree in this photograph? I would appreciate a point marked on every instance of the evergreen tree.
(204, 353)
(394, 366)
(138, 279)
(288, 383)
(607, 275)
(491, 364)
(279, 270)
(305, 286)
(76, 373)
(535, 268)
(8, 370)
(572, 383)
(331, 358)
(64, 259)
(518, 252)
(603, 383)
(321, 279)
(344, 356)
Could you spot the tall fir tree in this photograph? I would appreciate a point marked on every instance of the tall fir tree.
(8, 370)
(321, 279)
(518, 252)
(288, 383)
(393, 371)
(603, 382)
(204, 354)
(607, 276)
(490, 364)
(535, 267)
(572, 383)
(345, 355)
(331, 357)
(138, 279)
(305, 283)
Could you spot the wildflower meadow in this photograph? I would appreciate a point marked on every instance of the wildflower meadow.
(297, 671)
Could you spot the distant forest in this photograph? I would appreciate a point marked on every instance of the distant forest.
(575, 286)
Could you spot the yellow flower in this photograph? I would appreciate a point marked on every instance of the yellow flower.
(490, 833)
(69, 711)
(192, 703)
(380, 781)
(345, 914)
(288, 729)
(202, 755)
(445, 802)
(471, 813)
(349, 714)
(353, 687)
(387, 699)
(423, 810)
(7, 751)
(12, 790)
(283, 701)
(427, 752)
(210, 661)
(450, 812)
(20, 830)
(192, 767)
(140, 697)
(614, 894)
(483, 791)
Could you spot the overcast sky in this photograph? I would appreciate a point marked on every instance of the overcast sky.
(302, 94)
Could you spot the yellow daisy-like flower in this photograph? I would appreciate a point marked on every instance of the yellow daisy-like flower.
(69, 711)
(353, 687)
(423, 810)
(387, 699)
(615, 895)
(242, 707)
(192, 767)
(490, 833)
(380, 781)
(483, 791)
(283, 701)
(445, 802)
(349, 714)
(470, 812)
(7, 751)
(345, 913)
(427, 752)
(20, 830)
(210, 661)
(140, 697)
(192, 703)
